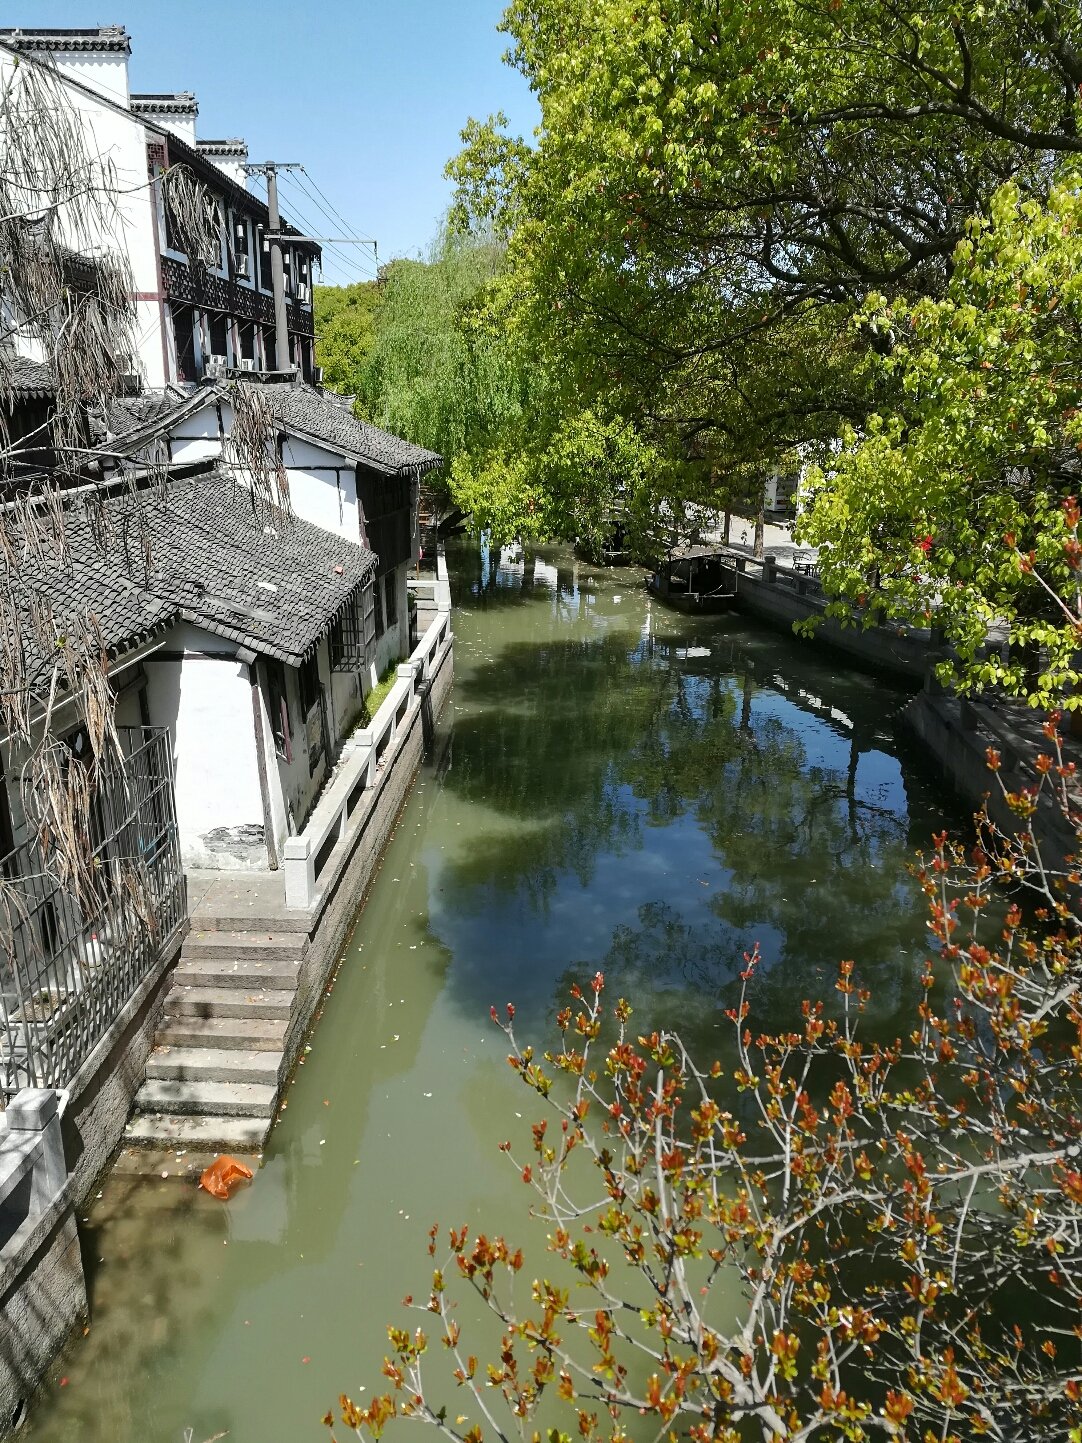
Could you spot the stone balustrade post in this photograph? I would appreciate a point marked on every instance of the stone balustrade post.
(35, 1112)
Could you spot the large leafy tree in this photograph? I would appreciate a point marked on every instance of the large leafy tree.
(715, 190)
(959, 503)
(345, 326)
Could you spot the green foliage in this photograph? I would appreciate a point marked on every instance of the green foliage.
(714, 193)
(440, 372)
(980, 456)
(381, 691)
(345, 322)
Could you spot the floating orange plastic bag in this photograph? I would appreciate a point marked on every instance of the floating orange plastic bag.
(221, 1176)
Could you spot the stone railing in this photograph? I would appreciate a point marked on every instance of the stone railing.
(307, 858)
(42, 1288)
(32, 1166)
(431, 593)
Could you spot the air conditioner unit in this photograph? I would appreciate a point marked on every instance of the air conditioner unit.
(242, 265)
(317, 375)
(215, 366)
(244, 364)
(304, 293)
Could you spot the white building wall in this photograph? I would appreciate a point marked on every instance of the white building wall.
(393, 645)
(129, 229)
(105, 72)
(322, 487)
(199, 690)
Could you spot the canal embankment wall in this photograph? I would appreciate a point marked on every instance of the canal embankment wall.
(55, 1144)
(781, 596)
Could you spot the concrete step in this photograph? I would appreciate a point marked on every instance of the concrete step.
(215, 1099)
(214, 1003)
(212, 1133)
(252, 1034)
(280, 975)
(206, 919)
(213, 1064)
(244, 946)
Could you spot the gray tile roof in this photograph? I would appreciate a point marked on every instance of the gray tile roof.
(298, 408)
(302, 408)
(23, 378)
(129, 416)
(268, 582)
(102, 37)
(81, 586)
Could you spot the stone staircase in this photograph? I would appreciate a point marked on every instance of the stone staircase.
(217, 1067)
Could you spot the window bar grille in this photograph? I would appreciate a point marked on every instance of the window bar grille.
(68, 966)
(348, 642)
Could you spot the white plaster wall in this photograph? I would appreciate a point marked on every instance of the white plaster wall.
(393, 645)
(322, 487)
(203, 694)
(104, 72)
(119, 138)
(348, 696)
(196, 437)
(299, 785)
(180, 125)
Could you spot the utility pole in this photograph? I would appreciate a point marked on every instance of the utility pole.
(270, 169)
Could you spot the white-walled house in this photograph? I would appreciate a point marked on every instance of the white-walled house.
(191, 319)
(349, 478)
(247, 637)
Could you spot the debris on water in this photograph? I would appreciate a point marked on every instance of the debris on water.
(222, 1174)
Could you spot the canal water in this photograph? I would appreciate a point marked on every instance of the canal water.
(615, 787)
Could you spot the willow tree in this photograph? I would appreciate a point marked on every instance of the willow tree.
(439, 371)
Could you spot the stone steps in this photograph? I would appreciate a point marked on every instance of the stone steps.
(243, 1032)
(213, 1064)
(214, 1073)
(209, 1134)
(219, 1003)
(211, 1099)
(279, 975)
(245, 946)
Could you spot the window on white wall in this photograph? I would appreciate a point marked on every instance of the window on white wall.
(278, 706)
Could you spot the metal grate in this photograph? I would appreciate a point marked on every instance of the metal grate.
(68, 968)
(353, 631)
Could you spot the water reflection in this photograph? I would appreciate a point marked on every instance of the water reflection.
(663, 793)
(617, 787)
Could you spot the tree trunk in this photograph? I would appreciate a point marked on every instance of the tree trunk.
(760, 524)
(725, 529)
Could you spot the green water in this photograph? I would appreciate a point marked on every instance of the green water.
(614, 787)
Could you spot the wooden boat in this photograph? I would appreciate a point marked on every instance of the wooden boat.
(695, 579)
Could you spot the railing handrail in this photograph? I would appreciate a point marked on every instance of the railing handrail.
(305, 855)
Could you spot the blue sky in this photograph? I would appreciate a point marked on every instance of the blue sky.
(372, 94)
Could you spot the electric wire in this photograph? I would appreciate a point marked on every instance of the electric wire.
(345, 267)
(358, 264)
(329, 210)
(350, 267)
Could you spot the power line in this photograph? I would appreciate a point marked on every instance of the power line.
(345, 265)
(350, 266)
(350, 238)
(335, 214)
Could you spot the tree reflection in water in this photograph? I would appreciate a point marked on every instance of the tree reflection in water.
(758, 793)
